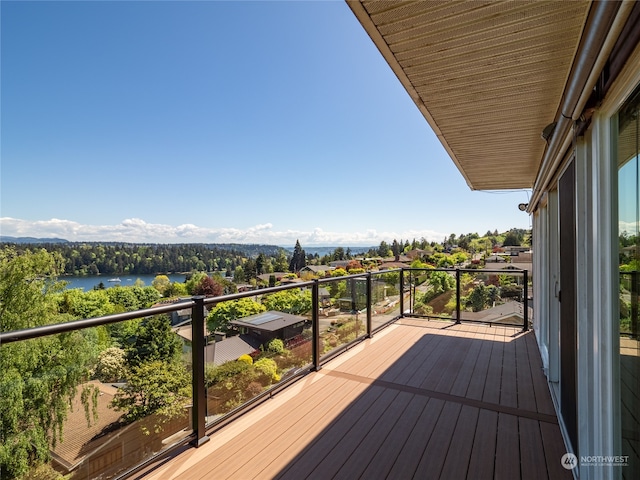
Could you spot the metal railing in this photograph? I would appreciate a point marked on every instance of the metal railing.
(470, 295)
(357, 306)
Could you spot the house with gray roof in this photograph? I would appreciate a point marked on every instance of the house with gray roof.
(269, 325)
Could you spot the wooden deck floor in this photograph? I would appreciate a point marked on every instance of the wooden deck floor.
(419, 400)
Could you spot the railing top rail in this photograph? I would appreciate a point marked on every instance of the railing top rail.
(345, 277)
(44, 330)
(41, 331)
(506, 271)
(252, 293)
(391, 270)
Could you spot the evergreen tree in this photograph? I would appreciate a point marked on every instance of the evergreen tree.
(395, 248)
(383, 249)
(153, 340)
(298, 260)
(260, 263)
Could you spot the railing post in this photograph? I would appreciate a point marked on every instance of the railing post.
(197, 364)
(401, 292)
(457, 295)
(525, 314)
(315, 327)
(369, 301)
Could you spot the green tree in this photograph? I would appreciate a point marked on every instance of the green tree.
(161, 283)
(439, 282)
(298, 259)
(338, 254)
(39, 377)
(280, 263)
(383, 249)
(295, 301)
(478, 298)
(513, 237)
(396, 248)
(223, 313)
(147, 296)
(249, 269)
(125, 297)
(176, 289)
(154, 387)
(193, 281)
(79, 304)
(260, 264)
(153, 340)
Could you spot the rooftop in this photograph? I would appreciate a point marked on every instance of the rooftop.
(268, 321)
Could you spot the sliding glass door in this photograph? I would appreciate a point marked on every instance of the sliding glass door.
(628, 148)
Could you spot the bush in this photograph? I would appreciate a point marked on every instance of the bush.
(276, 346)
(246, 358)
(269, 368)
(221, 373)
(111, 365)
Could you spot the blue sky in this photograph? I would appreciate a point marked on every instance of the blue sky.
(248, 122)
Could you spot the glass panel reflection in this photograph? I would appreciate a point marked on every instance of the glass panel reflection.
(629, 235)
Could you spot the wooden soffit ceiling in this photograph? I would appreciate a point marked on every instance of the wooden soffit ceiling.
(487, 75)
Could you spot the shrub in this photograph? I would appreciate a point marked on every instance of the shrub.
(111, 365)
(225, 371)
(276, 346)
(246, 358)
(269, 368)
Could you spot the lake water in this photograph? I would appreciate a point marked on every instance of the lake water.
(88, 282)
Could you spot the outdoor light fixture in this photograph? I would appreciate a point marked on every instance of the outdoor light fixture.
(523, 206)
(548, 131)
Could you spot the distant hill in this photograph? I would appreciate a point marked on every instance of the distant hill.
(5, 239)
(250, 250)
(321, 251)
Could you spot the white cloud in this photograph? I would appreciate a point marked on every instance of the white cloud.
(629, 227)
(136, 230)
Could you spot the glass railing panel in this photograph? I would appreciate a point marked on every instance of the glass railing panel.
(253, 343)
(343, 315)
(493, 297)
(385, 297)
(432, 293)
(92, 406)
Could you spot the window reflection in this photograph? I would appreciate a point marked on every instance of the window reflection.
(629, 234)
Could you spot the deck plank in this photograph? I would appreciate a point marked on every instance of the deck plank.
(406, 463)
(532, 458)
(435, 453)
(526, 400)
(459, 454)
(427, 399)
(507, 464)
(461, 383)
(508, 376)
(382, 461)
(482, 461)
(493, 379)
(541, 393)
